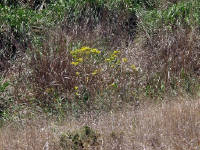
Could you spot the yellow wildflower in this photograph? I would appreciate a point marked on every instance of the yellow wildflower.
(108, 59)
(76, 87)
(80, 59)
(77, 94)
(113, 85)
(72, 52)
(78, 51)
(114, 56)
(75, 63)
(77, 73)
(95, 51)
(133, 67)
(116, 52)
(124, 60)
(87, 52)
(98, 52)
(95, 72)
(85, 48)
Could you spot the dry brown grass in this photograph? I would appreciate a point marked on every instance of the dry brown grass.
(170, 125)
(50, 75)
(35, 135)
(169, 60)
(51, 69)
(171, 52)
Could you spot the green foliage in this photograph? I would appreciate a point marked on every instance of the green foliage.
(16, 18)
(82, 139)
(32, 4)
(148, 4)
(23, 19)
(3, 86)
(182, 14)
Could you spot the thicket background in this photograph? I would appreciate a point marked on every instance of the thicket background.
(83, 55)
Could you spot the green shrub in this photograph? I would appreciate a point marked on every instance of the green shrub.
(33, 4)
(182, 14)
(3, 86)
(82, 139)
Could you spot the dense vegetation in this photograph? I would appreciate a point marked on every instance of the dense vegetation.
(99, 74)
(75, 56)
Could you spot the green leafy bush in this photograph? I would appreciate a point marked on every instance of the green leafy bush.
(82, 139)
(33, 4)
(181, 14)
(3, 86)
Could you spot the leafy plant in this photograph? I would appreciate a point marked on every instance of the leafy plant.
(3, 86)
(185, 14)
(82, 139)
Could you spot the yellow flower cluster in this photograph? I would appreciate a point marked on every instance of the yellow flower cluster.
(76, 91)
(124, 60)
(94, 72)
(75, 63)
(84, 51)
(113, 56)
(113, 59)
(76, 87)
(77, 73)
(116, 52)
(78, 54)
(133, 67)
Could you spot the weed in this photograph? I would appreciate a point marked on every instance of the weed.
(84, 138)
